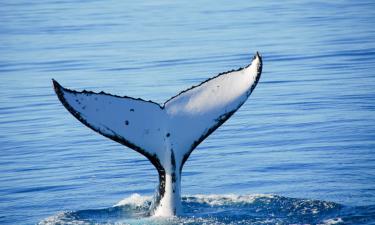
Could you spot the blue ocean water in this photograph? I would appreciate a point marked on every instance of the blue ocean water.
(300, 151)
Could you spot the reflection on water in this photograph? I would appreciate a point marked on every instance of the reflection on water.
(306, 132)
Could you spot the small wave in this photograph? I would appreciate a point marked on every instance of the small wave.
(217, 200)
(212, 209)
(333, 221)
(134, 199)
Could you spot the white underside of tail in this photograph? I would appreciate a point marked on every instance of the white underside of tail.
(166, 134)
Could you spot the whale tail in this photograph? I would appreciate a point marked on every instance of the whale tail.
(165, 134)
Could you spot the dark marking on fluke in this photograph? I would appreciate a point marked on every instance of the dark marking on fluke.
(173, 162)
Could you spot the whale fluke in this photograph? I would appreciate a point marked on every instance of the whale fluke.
(165, 134)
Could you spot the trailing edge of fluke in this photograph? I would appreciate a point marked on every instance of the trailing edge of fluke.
(165, 134)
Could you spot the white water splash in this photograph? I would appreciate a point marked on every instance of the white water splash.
(333, 221)
(213, 200)
(134, 200)
(217, 200)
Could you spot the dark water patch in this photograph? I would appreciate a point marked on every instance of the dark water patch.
(352, 55)
(56, 65)
(43, 189)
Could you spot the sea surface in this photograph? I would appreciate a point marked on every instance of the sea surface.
(301, 150)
